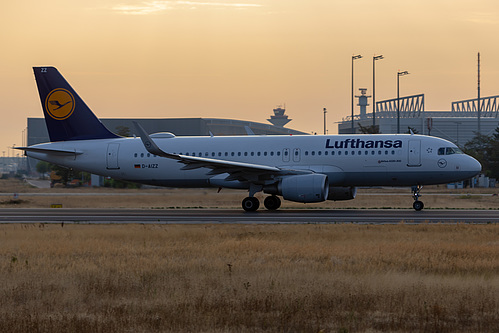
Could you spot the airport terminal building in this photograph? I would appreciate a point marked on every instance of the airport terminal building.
(459, 125)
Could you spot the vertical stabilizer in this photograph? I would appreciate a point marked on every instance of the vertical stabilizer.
(66, 115)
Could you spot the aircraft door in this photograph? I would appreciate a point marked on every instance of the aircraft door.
(112, 156)
(414, 158)
(285, 155)
(296, 155)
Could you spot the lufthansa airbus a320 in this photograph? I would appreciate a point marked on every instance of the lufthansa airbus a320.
(300, 168)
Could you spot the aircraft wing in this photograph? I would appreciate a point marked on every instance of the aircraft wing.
(236, 170)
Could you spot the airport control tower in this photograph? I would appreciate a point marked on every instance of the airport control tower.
(279, 119)
(363, 102)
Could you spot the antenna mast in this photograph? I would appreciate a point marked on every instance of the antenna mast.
(479, 107)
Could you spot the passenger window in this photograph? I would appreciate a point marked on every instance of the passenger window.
(313, 153)
(319, 153)
(386, 152)
(271, 153)
(135, 155)
(232, 154)
(339, 153)
(278, 153)
(346, 153)
(264, 153)
(359, 153)
(332, 153)
(306, 152)
(379, 152)
(245, 153)
(141, 154)
(326, 153)
(239, 153)
(372, 152)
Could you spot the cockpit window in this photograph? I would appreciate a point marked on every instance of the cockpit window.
(452, 150)
(449, 151)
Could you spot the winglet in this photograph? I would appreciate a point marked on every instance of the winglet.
(150, 145)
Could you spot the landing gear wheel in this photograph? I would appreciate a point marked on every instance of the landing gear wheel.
(250, 204)
(272, 202)
(418, 205)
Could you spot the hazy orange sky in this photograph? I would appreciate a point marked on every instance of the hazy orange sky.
(239, 59)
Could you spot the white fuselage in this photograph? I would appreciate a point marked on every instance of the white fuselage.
(347, 160)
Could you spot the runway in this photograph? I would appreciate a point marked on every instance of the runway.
(219, 216)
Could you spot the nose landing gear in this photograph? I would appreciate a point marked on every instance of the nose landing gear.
(417, 205)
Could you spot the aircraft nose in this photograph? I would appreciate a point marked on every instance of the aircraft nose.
(473, 166)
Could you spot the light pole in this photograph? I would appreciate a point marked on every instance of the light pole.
(325, 129)
(399, 74)
(355, 57)
(374, 88)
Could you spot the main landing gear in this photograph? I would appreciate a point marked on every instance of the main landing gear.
(272, 202)
(417, 205)
(251, 204)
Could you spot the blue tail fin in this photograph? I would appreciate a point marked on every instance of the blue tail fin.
(66, 115)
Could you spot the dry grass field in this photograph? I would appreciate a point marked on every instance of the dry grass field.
(228, 278)
(247, 278)
(88, 197)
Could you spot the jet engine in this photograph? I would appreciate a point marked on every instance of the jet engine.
(342, 193)
(301, 188)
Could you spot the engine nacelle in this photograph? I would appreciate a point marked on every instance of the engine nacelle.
(302, 188)
(342, 193)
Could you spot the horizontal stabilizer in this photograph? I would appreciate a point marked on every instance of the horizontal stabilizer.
(51, 151)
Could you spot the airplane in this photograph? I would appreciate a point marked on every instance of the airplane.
(299, 168)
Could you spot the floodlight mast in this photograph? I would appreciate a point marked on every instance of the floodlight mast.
(379, 57)
(399, 74)
(354, 57)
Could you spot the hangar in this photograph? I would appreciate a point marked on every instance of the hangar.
(37, 131)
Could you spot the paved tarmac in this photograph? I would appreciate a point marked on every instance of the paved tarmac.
(231, 216)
